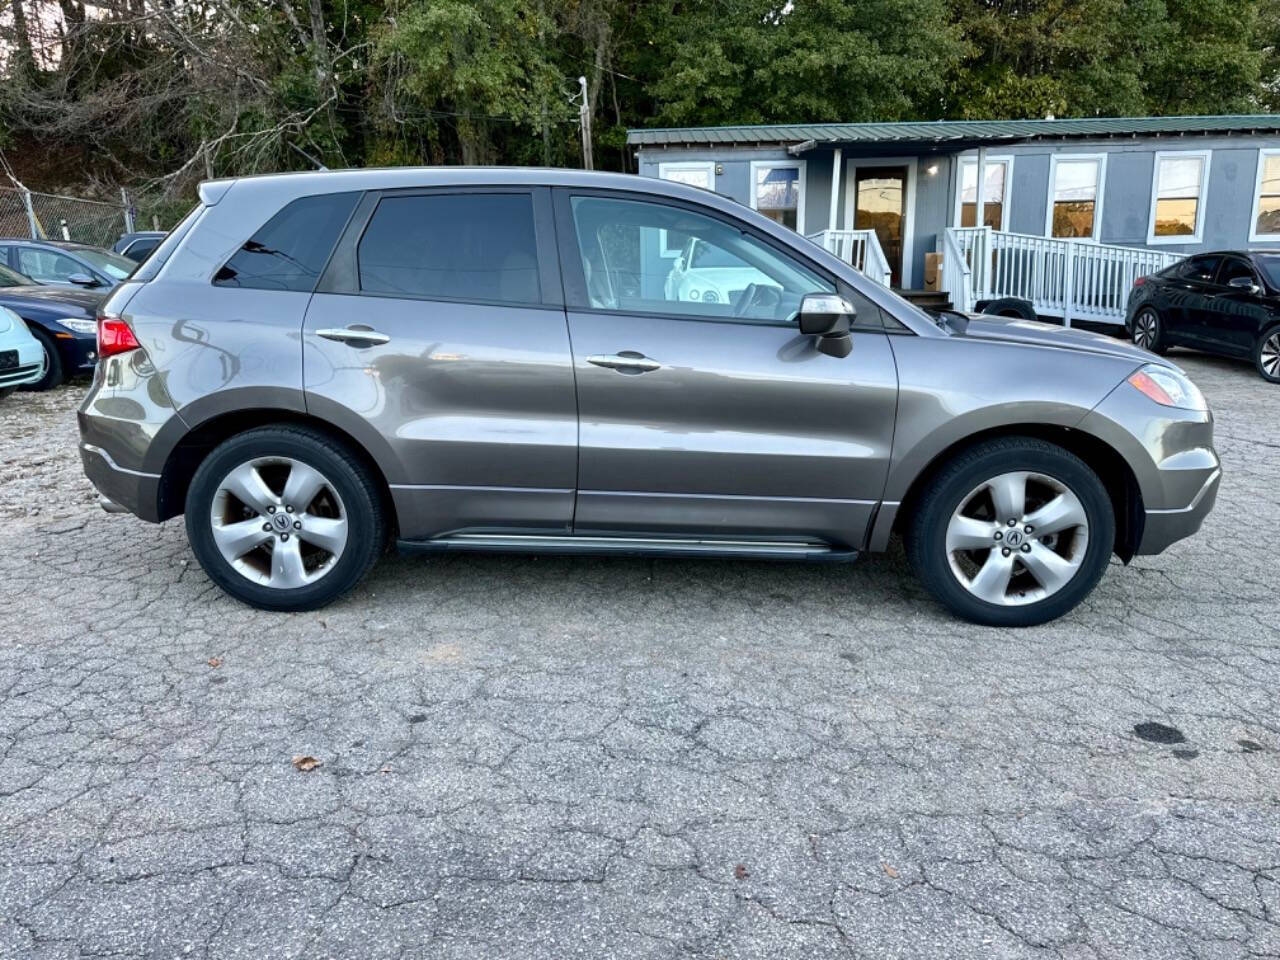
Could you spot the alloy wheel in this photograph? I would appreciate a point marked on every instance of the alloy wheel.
(1144, 329)
(279, 522)
(1269, 355)
(1017, 538)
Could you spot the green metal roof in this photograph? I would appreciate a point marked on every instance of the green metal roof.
(943, 131)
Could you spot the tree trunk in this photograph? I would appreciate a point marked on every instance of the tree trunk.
(25, 64)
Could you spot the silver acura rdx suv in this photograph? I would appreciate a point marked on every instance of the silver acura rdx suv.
(314, 365)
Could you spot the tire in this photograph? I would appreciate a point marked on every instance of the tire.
(1012, 307)
(6, 391)
(346, 502)
(53, 371)
(1266, 355)
(1148, 331)
(943, 521)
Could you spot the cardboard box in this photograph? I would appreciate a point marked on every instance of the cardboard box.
(933, 271)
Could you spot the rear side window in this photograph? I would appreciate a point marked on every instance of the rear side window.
(290, 251)
(457, 246)
(1199, 268)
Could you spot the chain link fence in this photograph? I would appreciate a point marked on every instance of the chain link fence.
(51, 216)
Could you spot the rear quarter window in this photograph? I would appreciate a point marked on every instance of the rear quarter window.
(291, 249)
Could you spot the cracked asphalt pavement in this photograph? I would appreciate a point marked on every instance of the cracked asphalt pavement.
(552, 758)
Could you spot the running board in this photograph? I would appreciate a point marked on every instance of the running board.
(629, 546)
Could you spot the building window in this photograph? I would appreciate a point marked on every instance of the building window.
(695, 173)
(1266, 198)
(1075, 196)
(995, 192)
(777, 191)
(1177, 197)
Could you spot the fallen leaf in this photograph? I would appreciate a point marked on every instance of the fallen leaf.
(740, 872)
(892, 873)
(215, 662)
(305, 763)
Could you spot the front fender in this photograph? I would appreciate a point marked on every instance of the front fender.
(953, 388)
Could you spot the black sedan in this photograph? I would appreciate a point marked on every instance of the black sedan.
(63, 320)
(1225, 303)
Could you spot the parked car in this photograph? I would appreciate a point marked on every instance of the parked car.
(1226, 303)
(311, 364)
(65, 264)
(706, 272)
(21, 357)
(62, 321)
(137, 246)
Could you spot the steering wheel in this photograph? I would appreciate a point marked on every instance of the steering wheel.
(765, 298)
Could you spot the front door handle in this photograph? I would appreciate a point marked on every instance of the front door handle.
(357, 335)
(628, 361)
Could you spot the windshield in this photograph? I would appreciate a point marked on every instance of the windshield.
(12, 278)
(114, 266)
(1269, 263)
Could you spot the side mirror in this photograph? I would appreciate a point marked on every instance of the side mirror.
(82, 280)
(827, 317)
(1244, 283)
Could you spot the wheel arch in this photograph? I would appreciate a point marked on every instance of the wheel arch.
(191, 450)
(1106, 462)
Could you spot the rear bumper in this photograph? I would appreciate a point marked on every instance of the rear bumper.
(121, 490)
(1163, 527)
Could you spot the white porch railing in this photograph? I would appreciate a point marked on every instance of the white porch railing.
(1071, 279)
(861, 248)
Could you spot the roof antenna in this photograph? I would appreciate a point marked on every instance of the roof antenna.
(318, 164)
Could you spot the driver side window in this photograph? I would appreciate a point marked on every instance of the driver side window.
(727, 275)
(45, 266)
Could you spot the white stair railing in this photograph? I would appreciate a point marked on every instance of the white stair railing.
(1070, 279)
(860, 248)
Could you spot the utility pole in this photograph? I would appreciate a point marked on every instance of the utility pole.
(584, 120)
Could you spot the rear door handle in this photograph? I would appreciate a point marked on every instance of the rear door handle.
(357, 335)
(628, 361)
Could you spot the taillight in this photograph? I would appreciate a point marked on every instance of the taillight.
(1140, 281)
(114, 336)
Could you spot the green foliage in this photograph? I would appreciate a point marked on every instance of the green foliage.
(178, 89)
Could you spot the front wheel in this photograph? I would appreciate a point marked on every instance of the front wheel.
(54, 374)
(284, 518)
(1012, 532)
(1266, 355)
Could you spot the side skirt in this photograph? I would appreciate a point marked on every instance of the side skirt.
(630, 546)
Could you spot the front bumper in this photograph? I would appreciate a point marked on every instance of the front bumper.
(1163, 527)
(1170, 452)
(30, 367)
(79, 352)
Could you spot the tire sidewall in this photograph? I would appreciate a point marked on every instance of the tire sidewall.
(364, 521)
(53, 368)
(1257, 353)
(934, 567)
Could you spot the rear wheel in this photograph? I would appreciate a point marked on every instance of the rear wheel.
(53, 372)
(1266, 355)
(1012, 532)
(283, 518)
(1148, 331)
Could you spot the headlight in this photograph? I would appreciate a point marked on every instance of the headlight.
(1168, 387)
(81, 326)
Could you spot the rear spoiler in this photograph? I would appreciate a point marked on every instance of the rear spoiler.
(211, 191)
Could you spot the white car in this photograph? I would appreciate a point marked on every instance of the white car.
(21, 356)
(708, 273)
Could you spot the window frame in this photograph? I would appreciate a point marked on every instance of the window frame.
(1099, 193)
(1202, 197)
(1236, 258)
(1254, 235)
(802, 191)
(665, 166)
(341, 274)
(575, 282)
(972, 159)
